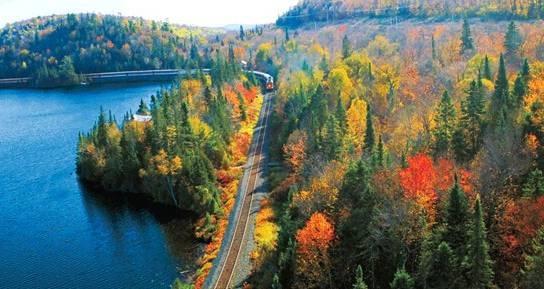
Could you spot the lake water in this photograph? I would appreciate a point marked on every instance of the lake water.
(54, 234)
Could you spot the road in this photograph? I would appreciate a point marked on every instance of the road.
(256, 163)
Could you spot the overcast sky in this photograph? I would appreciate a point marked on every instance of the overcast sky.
(192, 12)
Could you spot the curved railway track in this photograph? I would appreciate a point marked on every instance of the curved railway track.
(233, 247)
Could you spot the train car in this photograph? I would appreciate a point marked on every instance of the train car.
(269, 86)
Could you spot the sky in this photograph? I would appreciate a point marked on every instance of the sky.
(214, 13)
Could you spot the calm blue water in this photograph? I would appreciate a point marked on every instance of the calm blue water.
(54, 234)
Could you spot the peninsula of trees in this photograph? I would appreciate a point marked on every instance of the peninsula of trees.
(56, 50)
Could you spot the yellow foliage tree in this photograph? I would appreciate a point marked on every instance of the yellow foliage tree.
(356, 122)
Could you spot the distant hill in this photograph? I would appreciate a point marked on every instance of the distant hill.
(329, 10)
(55, 49)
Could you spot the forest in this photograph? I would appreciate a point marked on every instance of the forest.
(411, 152)
(56, 50)
(310, 11)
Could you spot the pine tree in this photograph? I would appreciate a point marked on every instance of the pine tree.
(500, 100)
(346, 47)
(471, 123)
(379, 154)
(276, 282)
(402, 280)
(534, 264)
(442, 272)
(526, 71)
(512, 39)
(445, 125)
(487, 69)
(359, 280)
(520, 90)
(332, 141)
(340, 115)
(433, 47)
(242, 33)
(478, 264)
(467, 42)
(534, 185)
(457, 222)
(369, 133)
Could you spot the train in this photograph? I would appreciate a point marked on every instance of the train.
(267, 79)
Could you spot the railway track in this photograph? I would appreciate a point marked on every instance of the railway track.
(234, 246)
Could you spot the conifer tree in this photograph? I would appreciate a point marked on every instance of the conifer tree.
(487, 69)
(526, 70)
(457, 222)
(340, 115)
(467, 43)
(359, 279)
(346, 47)
(478, 264)
(402, 280)
(332, 141)
(369, 132)
(533, 272)
(433, 47)
(500, 100)
(512, 39)
(471, 123)
(276, 282)
(242, 33)
(534, 185)
(445, 125)
(520, 90)
(442, 271)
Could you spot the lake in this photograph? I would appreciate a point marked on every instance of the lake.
(54, 233)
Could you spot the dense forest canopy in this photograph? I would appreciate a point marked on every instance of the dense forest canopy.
(56, 49)
(309, 11)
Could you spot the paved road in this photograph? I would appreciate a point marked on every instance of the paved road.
(256, 163)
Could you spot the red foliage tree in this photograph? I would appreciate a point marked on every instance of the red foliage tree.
(313, 263)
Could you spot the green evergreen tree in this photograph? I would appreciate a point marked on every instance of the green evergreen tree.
(445, 125)
(340, 115)
(369, 133)
(332, 141)
(478, 264)
(500, 100)
(457, 222)
(534, 264)
(442, 272)
(402, 280)
(534, 185)
(276, 282)
(359, 279)
(379, 155)
(346, 47)
(142, 108)
(467, 43)
(433, 48)
(487, 69)
(242, 33)
(526, 70)
(512, 39)
(520, 90)
(471, 123)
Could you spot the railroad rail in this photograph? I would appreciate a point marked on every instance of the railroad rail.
(225, 265)
(136, 75)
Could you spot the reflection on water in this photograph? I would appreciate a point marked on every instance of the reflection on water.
(54, 233)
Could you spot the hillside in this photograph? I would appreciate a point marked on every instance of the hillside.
(56, 49)
(412, 155)
(309, 11)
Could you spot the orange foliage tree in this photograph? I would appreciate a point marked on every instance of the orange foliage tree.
(425, 182)
(313, 264)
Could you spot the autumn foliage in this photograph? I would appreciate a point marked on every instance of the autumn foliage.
(313, 261)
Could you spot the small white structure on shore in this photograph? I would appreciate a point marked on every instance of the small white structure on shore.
(141, 118)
